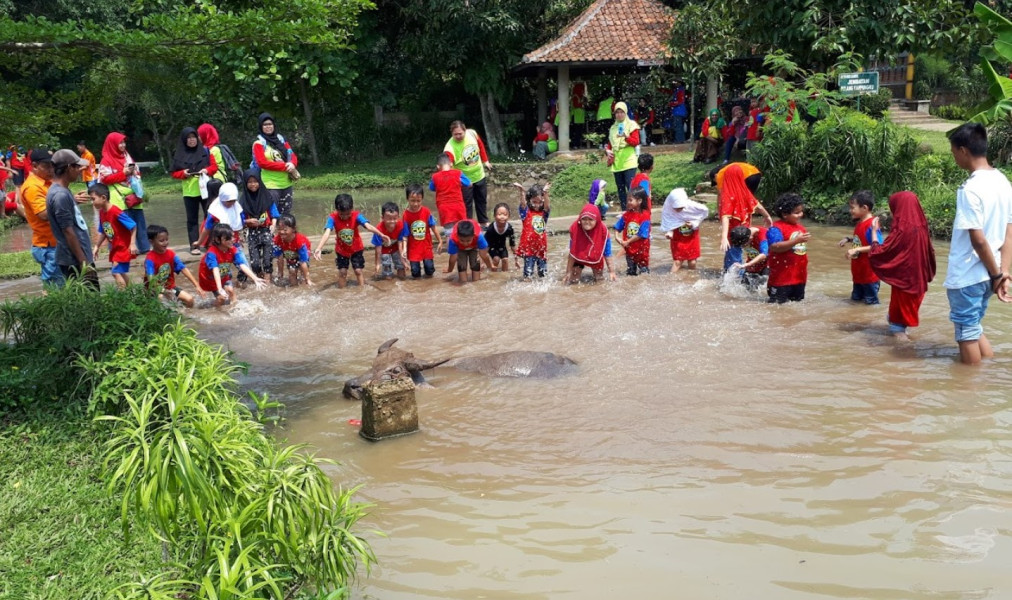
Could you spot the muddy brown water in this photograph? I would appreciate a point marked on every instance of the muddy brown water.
(709, 446)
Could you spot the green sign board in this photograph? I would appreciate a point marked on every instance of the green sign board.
(853, 84)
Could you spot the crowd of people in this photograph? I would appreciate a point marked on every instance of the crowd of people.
(249, 226)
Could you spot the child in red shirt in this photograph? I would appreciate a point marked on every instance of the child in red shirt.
(534, 210)
(866, 283)
(119, 229)
(292, 250)
(635, 227)
(419, 229)
(215, 273)
(680, 220)
(348, 245)
(788, 259)
(390, 256)
(161, 266)
(448, 183)
(642, 179)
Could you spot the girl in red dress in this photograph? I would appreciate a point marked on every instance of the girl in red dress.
(534, 210)
(680, 221)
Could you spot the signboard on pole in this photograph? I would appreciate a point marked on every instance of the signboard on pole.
(854, 84)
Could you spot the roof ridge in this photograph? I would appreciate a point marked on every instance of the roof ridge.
(588, 15)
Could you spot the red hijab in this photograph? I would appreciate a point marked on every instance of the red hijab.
(587, 247)
(112, 156)
(906, 260)
(208, 135)
(736, 200)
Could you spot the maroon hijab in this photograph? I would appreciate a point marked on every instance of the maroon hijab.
(906, 260)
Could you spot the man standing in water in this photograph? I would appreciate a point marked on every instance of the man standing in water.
(467, 153)
(981, 249)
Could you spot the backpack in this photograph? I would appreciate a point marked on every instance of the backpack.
(232, 166)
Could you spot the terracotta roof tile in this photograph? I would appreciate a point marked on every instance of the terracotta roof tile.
(610, 31)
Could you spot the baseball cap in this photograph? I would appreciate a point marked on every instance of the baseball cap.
(64, 158)
(38, 155)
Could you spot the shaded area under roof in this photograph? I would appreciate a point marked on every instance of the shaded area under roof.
(610, 33)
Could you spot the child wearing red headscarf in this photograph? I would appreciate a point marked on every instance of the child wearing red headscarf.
(589, 246)
(905, 260)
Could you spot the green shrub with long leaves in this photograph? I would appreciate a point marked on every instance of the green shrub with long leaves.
(47, 334)
(193, 467)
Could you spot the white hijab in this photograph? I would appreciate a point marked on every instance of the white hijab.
(692, 213)
(227, 214)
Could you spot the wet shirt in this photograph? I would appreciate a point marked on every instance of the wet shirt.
(791, 267)
(498, 241)
(223, 261)
(482, 244)
(295, 250)
(534, 233)
(160, 269)
(395, 233)
(418, 228)
(347, 240)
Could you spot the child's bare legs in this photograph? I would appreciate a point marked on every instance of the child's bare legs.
(495, 263)
(342, 277)
(971, 352)
(185, 298)
(304, 269)
(676, 266)
(360, 277)
(122, 280)
(690, 264)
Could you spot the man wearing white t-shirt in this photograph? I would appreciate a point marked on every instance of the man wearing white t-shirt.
(981, 249)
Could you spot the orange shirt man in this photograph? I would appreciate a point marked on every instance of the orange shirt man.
(33, 209)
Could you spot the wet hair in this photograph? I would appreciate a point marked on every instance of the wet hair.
(99, 189)
(740, 236)
(343, 203)
(413, 189)
(287, 220)
(786, 203)
(501, 205)
(390, 207)
(864, 198)
(221, 230)
(443, 159)
(535, 191)
(972, 136)
(465, 229)
(457, 124)
(645, 162)
(155, 230)
(641, 195)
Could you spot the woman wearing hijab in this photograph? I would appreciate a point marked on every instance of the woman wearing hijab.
(736, 201)
(589, 246)
(277, 162)
(710, 140)
(623, 137)
(543, 141)
(905, 260)
(259, 211)
(116, 170)
(209, 138)
(191, 162)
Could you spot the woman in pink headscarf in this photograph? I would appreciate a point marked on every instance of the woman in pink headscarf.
(543, 141)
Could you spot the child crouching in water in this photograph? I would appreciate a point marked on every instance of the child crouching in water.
(215, 274)
(906, 261)
(292, 249)
(748, 252)
(680, 221)
(470, 245)
(161, 266)
(534, 211)
(788, 258)
(589, 246)
(635, 227)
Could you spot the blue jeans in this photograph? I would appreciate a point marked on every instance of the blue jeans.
(623, 179)
(865, 292)
(967, 306)
(530, 262)
(137, 214)
(51, 273)
(678, 122)
(416, 268)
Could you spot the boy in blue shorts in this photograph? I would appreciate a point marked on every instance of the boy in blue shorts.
(467, 244)
(116, 227)
(981, 249)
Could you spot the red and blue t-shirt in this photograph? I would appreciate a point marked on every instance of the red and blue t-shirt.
(223, 261)
(860, 267)
(418, 231)
(295, 250)
(395, 233)
(117, 225)
(160, 269)
(347, 240)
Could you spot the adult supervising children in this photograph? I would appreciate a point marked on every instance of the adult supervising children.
(277, 162)
(981, 248)
(33, 209)
(73, 242)
(623, 137)
(467, 153)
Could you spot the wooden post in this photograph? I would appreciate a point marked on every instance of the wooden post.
(910, 77)
(563, 105)
(542, 96)
(388, 409)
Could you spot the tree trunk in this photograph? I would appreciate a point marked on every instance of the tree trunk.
(307, 111)
(164, 152)
(493, 124)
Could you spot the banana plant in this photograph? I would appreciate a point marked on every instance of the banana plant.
(999, 107)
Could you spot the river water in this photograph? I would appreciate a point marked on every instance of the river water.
(709, 445)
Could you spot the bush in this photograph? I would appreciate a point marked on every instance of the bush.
(50, 332)
(873, 105)
(845, 152)
(951, 112)
(193, 467)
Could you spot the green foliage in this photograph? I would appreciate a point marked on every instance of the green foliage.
(841, 154)
(951, 112)
(49, 333)
(873, 105)
(999, 105)
(190, 465)
(15, 265)
(703, 40)
(785, 83)
(58, 533)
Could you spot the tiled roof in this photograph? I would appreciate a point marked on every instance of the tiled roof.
(611, 31)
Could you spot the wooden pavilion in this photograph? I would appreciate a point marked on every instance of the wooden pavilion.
(611, 35)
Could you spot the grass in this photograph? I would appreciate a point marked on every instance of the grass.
(60, 535)
(935, 139)
(15, 265)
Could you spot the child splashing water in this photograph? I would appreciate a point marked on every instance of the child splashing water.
(534, 211)
(215, 274)
(635, 227)
(292, 249)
